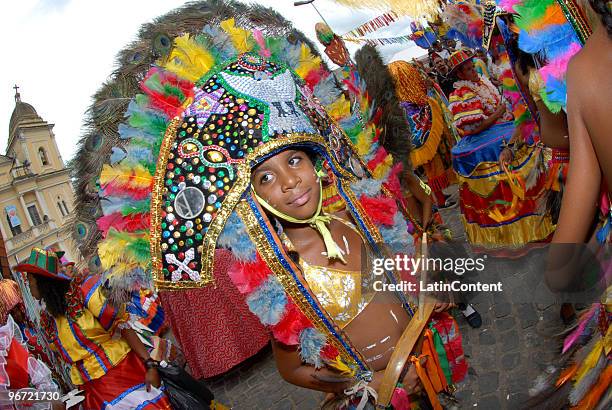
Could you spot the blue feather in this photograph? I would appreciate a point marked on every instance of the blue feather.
(268, 301)
(140, 155)
(235, 237)
(311, 343)
(327, 91)
(604, 231)
(117, 155)
(550, 42)
(219, 41)
(367, 187)
(556, 91)
(397, 236)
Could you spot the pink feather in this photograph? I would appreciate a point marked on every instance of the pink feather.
(558, 67)
(263, 50)
(508, 5)
(570, 340)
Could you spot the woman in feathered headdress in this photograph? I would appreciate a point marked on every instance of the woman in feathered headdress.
(225, 144)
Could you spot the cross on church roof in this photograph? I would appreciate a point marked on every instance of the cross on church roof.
(17, 95)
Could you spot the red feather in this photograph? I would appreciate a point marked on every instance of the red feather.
(314, 77)
(288, 330)
(381, 209)
(111, 189)
(248, 275)
(393, 182)
(129, 223)
(329, 352)
(379, 157)
(171, 104)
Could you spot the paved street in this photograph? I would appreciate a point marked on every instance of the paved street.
(505, 355)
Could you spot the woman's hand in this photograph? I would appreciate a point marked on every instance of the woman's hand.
(152, 378)
(443, 306)
(506, 156)
(412, 383)
(500, 110)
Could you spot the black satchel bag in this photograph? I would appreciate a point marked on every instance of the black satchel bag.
(184, 392)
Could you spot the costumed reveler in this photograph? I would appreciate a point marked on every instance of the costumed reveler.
(235, 134)
(581, 377)
(108, 360)
(365, 84)
(23, 374)
(429, 135)
(546, 33)
(497, 208)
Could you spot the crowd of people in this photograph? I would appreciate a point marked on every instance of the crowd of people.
(241, 149)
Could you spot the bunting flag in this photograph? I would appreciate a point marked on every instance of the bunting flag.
(381, 41)
(373, 25)
(414, 8)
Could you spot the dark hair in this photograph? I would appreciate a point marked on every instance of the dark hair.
(53, 292)
(602, 8)
(524, 60)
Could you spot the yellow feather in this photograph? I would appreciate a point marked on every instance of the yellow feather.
(126, 176)
(241, 38)
(340, 108)
(364, 140)
(110, 251)
(112, 255)
(381, 169)
(339, 365)
(308, 62)
(590, 361)
(188, 59)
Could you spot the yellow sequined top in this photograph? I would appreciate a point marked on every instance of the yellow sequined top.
(536, 84)
(343, 294)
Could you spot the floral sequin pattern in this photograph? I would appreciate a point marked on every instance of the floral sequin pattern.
(342, 294)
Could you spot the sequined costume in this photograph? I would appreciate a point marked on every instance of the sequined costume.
(222, 99)
(429, 135)
(497, 208)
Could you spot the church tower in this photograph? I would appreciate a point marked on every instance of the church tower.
(36, 195)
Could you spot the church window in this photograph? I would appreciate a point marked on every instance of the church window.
(43, 156)
(34, 215)
(15, 230)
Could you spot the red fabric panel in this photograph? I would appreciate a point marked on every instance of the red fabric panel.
(213, 325)
(501, 192)
(127, 374)
(17, 366)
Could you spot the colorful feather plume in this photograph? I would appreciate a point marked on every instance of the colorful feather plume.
(545, 31)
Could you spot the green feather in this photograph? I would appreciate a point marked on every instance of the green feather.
(531, 12)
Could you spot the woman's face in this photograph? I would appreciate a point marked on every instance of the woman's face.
(288, 182)
(33, 286)
(468, 72)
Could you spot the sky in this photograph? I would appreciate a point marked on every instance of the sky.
(59, 52)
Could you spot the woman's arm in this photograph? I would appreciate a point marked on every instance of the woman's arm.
(489, 121)
(414, 186)
(132, 339)
(293, 371)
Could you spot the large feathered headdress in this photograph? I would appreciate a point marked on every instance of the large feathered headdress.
(165, 170)
(555, 30)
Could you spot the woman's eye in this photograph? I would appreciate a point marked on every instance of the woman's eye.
(265, 178)
(294, 161)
